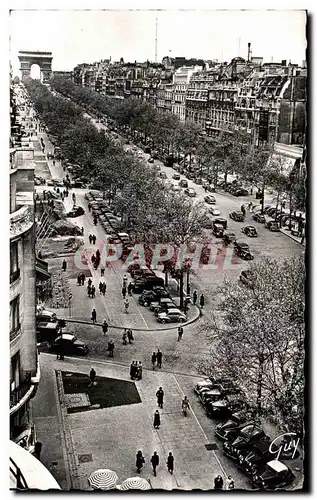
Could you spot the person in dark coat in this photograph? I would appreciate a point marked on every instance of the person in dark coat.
(130, 336)
(94, 316)
(89, 208)
(110, 348)
(124, 337)
(79, 279)
(104, 288)
(83, 278)
(124, 291)
(202, 301)
(102, 270)
(92, 376)
(133, 370)
(89, 290)
(157, 420)
(93, 291)
(153, 360)
(218, 483)
(130, 286)
(170, 463)
(90, 239)
(180, 333)
(155, 460)
(160, 396)
(100, 287)
(159, 358)
(64, 265)
(195, 297)
(139, 371)
(89, 282)
(94, 238)
(140, 460)
(105, 327)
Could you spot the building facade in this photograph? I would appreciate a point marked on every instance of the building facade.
(181, 80)
(24, 366)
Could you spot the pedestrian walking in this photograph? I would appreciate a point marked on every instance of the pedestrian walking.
(89, 290)
(92, 376)
(218, 483)
(102, 270)
(170, 463)
(124, 337)
(180, 333)
(94, 239)
(90, 239)
(64, 265)
(155, 460)
(159, 358)
(104, 288)
(89, 282)
(89, 207)
(130, 286)
(125, 281)
(202, 301)
(93, 258)
(153, 360)
(157, 420)
(229, 483)
(110, 348)
(195, 296)
(140, 460)
(94, 316)
(79, 279)
(53, 162)
(139, 371)
(124, 291)
(100, 287)
(83, 278)
(126, 305)
(160, 397)
(74, 198)
(130, 336)
(95, 220)
(105, 327)
(133, 370)
(93, 291)
(82, 231)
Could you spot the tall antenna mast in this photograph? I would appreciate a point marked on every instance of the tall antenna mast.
(156, 40)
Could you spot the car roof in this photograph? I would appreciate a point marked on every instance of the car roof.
(174, 310)
(277, 466)
(66, 336)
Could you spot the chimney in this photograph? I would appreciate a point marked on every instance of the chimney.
(249, 51)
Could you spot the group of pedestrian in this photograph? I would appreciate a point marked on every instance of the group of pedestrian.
(91, 290)
(102, 288)
(219, 483)
(81, 278)
(92, 239)
(155, 460)
(201, 299)
(157, 359)
(136, 370)
(95, 259)
(127, 290)
(127, 336)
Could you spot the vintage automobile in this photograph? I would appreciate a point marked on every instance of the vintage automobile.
(151, 160)
(183, 183)
(222, 221)
(249, 231)
(218, 230)
(149, 296)
(214, 211)
(190, 192)
(225, 407)
(246, 277)
(69, 344)
(164, 307)
(176, 176)
(274, 475)
(206, 383)
(236, 215)
(272, 225)
(230, 429)
(75, 212)
(210, 199)
(229, 237)
(240, 192)
(242, 250)
(246, 438)
(258, 217)
(159, 303)
(172, 316)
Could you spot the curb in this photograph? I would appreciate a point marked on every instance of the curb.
(283, 231)
(190, 322)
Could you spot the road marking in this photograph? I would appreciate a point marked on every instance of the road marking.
(202, 430)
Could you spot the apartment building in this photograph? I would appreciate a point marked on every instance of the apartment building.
(181, 80)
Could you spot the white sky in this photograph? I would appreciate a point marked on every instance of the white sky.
(87, 36)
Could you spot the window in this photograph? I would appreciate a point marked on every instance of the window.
(15, 315)
(14, 262)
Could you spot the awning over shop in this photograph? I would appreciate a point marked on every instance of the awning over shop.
(286, 155)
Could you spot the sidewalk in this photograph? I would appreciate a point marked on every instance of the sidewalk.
(112, 436)
(298, 239)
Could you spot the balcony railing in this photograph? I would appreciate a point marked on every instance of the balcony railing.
(15, 333)
(21, 483)
(14, 276)
(18, 394)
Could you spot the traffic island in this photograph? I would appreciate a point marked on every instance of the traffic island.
(80, 395)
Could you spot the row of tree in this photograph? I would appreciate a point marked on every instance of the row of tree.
(223, 154)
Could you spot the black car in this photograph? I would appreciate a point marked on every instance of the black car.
(225, 407)
(164, 307)
(258, 455)
(272, 225)
(249, 231)
(230, 429)
(210, 199)
(272, 476)
(246, 277)
(236, 215)
(240, 192)
(217, 230)
(229, 237)
(68, 343)
(242, 250)
(247, 436)
(75, 212)
(209, 395)
(147, 283)
(149, 296)
(258, 217)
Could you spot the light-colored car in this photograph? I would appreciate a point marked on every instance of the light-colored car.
(214, 211)
(190, 192)
(176, 188)
(172, 316)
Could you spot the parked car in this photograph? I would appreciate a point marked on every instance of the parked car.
(162, 175)
(242, 250)
(225, 406)
(149, 296)
(218, 230)
(210, 199)
(258, 455)
(240, 192)
(222, 221)
(272, 225)
(176, 176)
(190, 192)
(176, 188)
(164, 300)
(206, 383)
(209, 187)
(230, 429)
(229, 237)
(75, 212)
(249, 231)
(183, 183)
(164, 307)
(214, 211)
(45, 316)
(172, 316)
(147, 283)
(208, 395)
(246, 277)
(151, 160)
(274, 475)
(242, 445)
(69, 344)
(258, 217)
(236, 215)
